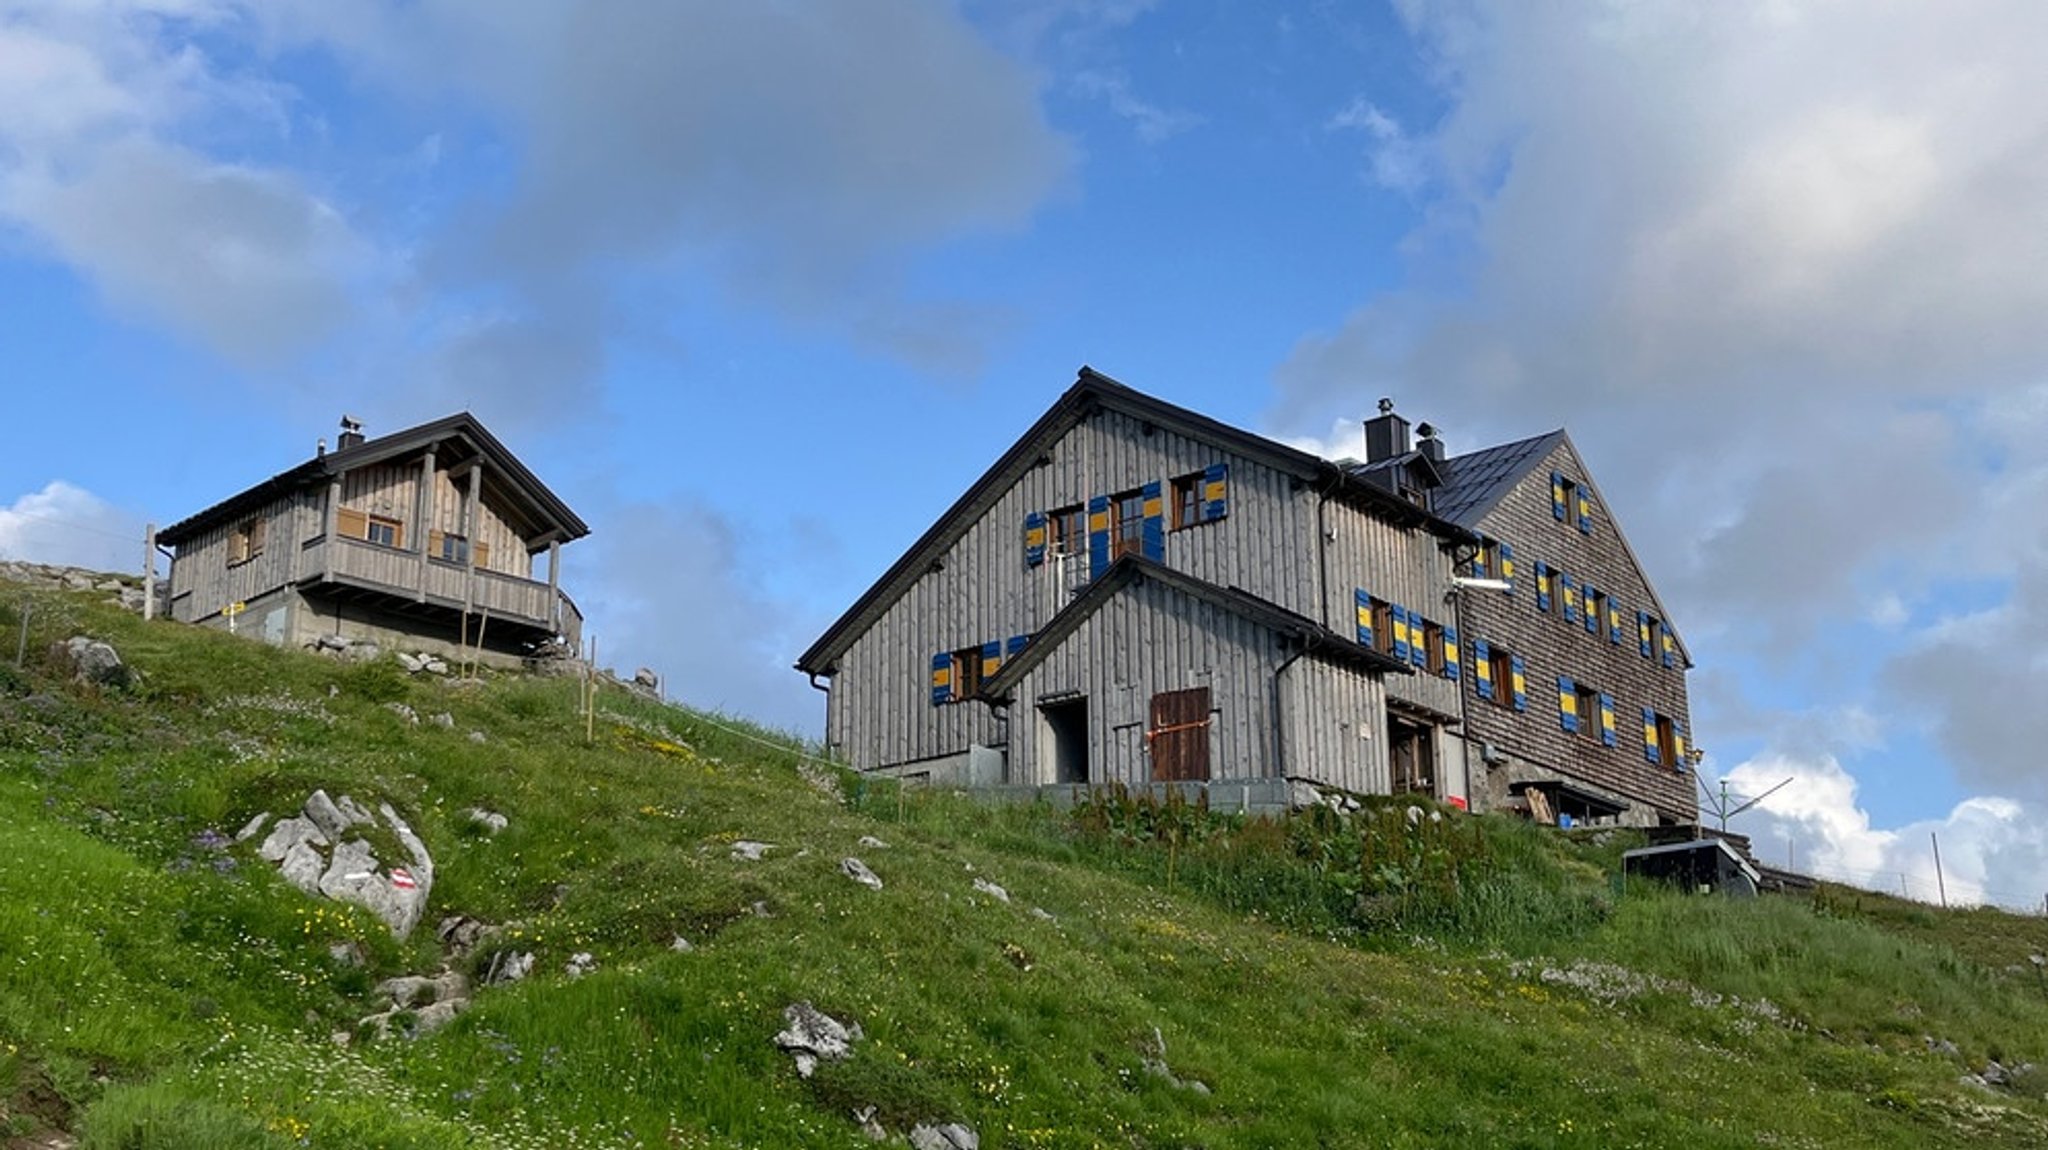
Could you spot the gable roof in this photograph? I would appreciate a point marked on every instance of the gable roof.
(548, 511)
(1476, 482)
(1093, 391)
(1134, 569)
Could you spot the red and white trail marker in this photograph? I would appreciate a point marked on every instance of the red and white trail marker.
(402, 879)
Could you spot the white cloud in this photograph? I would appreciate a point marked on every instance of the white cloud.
(1993, 850)
(1397, 163)
(1151, 122)
(68, 526)
(92, 101)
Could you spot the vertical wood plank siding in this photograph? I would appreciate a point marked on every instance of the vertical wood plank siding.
(1551, 647)
(202, 579)
(1332, 724)
(880, 712)
(1401, 565)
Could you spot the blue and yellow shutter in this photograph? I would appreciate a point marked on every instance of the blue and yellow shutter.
(1650, 752)
(1570, 592)
(1215, 491)
(1643, 631)
(1364, 602)
(1034, 538)
(1608, 737)
(1585, 512)
(1557, 497)
(1098, 535)
(1451, 653)
(991, 659)
(1592, 597)
(1418, 640)
(1399, 615)
(1507, 565)
(1017, 643)
(1678, 745)
(1669, 644)
(942, 678)
(1482, 669)
(1544, 578)
(1613, 622)
(1154, 529)
(1567, 704)
(1520, 682)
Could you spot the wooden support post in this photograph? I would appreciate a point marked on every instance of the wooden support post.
(469, 518)
(149, 572)
(330, 530)
(555, 583)
(423, 526)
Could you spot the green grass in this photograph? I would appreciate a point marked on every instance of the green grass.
(1361, 982)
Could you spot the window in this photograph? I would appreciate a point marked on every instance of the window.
(1499, 676)
(1596, 610)
(1069, 530)
(1500, 667)
(384, 532)
(1664, 741)
(246, 541)
(1592, 720)
(1127, 531)
(1187, 501)
(966, 673)
(1433, 647)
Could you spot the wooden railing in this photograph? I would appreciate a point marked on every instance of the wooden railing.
(400, 572)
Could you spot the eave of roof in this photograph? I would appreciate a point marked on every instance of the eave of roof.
(1092, 391)
(1131, 569)
(556, 514)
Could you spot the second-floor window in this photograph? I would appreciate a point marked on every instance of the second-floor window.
(1187, 501)
(1067, 530)
(245, 542)
(455, 548)
(384, 532)
(1127, 525)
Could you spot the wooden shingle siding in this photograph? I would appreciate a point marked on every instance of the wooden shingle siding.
(880, 712)
(1552, 647)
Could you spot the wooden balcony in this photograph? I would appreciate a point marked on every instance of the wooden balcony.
(439, 583)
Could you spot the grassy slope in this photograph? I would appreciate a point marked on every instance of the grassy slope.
(158, 992)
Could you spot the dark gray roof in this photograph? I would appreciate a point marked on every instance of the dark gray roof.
(1477, 481)
(550, 514)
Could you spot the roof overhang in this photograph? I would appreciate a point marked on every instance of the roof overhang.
(550, 518)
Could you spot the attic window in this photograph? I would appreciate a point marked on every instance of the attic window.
(245, 542)
(1067, 530)
(1127, 533)
(1187, 500)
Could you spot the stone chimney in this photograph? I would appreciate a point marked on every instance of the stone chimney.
(351, 433)
(1386, 436)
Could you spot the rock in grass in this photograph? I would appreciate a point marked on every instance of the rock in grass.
(992, 890)
(491, 821)
(289, 833)
(858, 871)
(580, 964)
(951, 1136)
(812, 1036)
(252, 828)
(873, 843)
(94, 661)
(747, 850)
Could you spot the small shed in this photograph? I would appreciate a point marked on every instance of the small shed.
(1698, 865)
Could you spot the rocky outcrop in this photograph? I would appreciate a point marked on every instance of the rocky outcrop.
(320, 851)
(93, 662)
(812, 1036)
(123, 591)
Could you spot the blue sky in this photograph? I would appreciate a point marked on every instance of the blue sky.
(759, 289)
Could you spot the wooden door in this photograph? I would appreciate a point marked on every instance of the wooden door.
(1179, 735)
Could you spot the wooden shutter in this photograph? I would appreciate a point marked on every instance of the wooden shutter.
(1557, 496)
(991, 659)
(1098, 536)
(1482, 669)
(1364, 603)
(483, 553)
(1017, 643)
(1507, 565)
(1570, 591)
(435, 539)
(1450, 653)
(1670, 645)
(258, 529)
(1544, 577)
(1519, 682)
(1152, 534)
(1567, 704)
(1585, 512)
(1034, 538)
(1418, 640)
(1643, 630)
(356, 525)
(1607, 735)
(1399, 615)
(1592, 611)
(1678, 745)
(942, 678)
(1215, 491)
(1650, 752)
(1613, 621)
